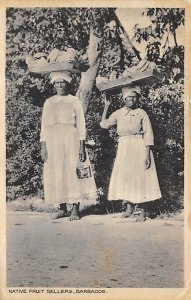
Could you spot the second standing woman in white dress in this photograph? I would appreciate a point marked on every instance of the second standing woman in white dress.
(134, 177)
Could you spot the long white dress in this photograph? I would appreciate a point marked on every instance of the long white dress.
(62, 128)
(130, 180)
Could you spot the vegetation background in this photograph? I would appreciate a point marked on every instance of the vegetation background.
(41, 30)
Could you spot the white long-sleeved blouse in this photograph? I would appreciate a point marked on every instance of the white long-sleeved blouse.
(131, 122)
(63, 110)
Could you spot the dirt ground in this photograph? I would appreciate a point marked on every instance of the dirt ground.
(96, 251)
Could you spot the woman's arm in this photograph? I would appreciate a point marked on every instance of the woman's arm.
(148, 139)
(82, 153)
(105, 110)
(148, 158)
(112, 120)
(80, 125)
(44, 152)
(80, 120)
(147, 128)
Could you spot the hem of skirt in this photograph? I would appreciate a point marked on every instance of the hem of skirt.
(137, 201)
(87, 203)
(88, 197)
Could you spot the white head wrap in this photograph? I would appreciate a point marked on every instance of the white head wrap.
(60, 75)
(127, 90)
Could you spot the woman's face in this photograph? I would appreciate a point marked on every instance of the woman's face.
(131, 100)
(60, 86)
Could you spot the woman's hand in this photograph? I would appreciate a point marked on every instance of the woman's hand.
(147, 159)
(147, 163)
(82, 153)
(106, 102)
(121, 34)
(134, 132)
(44, 152)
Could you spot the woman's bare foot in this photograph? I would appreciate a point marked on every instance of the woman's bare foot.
(128, 212)
(75, 212)
(142, 216)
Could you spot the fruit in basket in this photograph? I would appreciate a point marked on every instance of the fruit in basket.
(53, 55)
(36, 60)
(64, 56)
(100, 79)
(127, 72)
(30, 60)
(68, 56)
(152, 65)
(40, 55)
(41, 61)
(113, 75)
(72, 52)
(143, 65)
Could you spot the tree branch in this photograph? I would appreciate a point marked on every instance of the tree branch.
(127, 39)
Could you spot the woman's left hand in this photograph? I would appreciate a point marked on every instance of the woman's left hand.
(147, 162)
(82, 153)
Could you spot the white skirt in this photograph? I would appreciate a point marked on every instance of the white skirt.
(61, 184)
(130, 180)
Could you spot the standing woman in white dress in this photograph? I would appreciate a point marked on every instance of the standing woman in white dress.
(134, 177)
(63, 148)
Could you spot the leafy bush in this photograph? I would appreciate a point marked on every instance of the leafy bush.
(42, 29)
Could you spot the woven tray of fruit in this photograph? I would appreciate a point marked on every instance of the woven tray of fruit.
(57, 60)
(143, 74)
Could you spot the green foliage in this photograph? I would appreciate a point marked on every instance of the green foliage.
(173, 17)
(103, 153)
(30, 31)
(173, 64)
(164, 104)
(42, 29)
(164, 21)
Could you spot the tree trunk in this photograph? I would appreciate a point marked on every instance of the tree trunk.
(126, 38)
(174, 36)
(173, 30)
(88, 78)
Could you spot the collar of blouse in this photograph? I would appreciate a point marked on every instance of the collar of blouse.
(59, 98)
(131, 112)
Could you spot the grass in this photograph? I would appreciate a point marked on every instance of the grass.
(38, 205)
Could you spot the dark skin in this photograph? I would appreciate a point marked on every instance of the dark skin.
(130, 103)
(61, 86)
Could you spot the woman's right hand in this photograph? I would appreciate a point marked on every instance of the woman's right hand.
(44, 152)
(121, 33)
(106, 102)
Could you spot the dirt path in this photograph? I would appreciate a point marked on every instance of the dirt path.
(97, 251)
